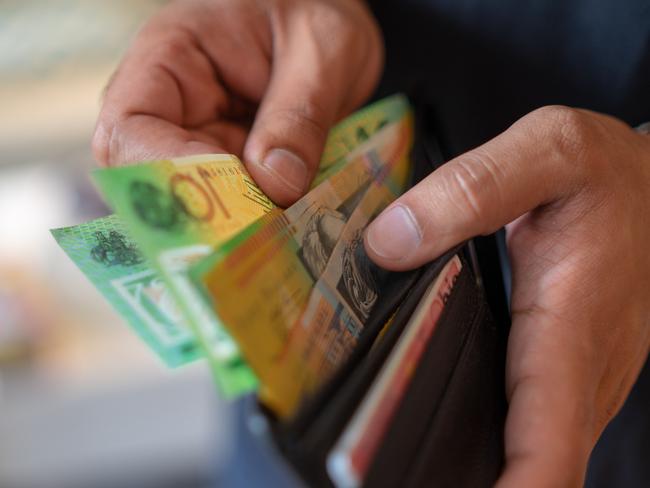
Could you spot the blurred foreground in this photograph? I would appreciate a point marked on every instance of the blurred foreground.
(82, 402)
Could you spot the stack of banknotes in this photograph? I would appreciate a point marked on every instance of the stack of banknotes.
(202, 264)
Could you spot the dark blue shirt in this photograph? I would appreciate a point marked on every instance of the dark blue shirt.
(485, 63)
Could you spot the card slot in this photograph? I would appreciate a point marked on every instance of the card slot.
(308, 448)
(390, 298)
(470, 452)
(401, 442)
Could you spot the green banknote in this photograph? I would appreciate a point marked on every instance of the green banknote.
(108, 256)
(348, 136)
(177, 211)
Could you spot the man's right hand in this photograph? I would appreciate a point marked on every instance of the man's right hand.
(263, 79)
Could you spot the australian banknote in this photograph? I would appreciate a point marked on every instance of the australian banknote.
(158, 303)
(260, 282)
(108, 256)
(178, 211)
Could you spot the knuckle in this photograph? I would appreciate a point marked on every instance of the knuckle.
(473, 184)
(349, 24)
(100, 145)
(570, 131)
(304, 121)
(331, 16)
(104, 143)
(178, 44)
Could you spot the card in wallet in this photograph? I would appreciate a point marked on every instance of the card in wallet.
(420, 401)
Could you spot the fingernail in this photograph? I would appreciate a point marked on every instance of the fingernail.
(288, 168)
(394, 234)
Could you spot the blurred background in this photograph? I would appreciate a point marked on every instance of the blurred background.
(82, 401)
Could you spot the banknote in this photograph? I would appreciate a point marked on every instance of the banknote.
(353, 131)
(138, 292)
(338, 306)
(106, 253)
(260, 282)
(341, 300)
(350, 458)
(159, 306)
(327, 329)
(178, 211)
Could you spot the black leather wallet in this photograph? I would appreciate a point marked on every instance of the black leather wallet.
(447, 427)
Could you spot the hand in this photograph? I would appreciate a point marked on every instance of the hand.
(263, 79)
(574, 187)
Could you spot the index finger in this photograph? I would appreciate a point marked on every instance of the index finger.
(163, 101)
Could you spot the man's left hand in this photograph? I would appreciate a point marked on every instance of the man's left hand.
(574, 188)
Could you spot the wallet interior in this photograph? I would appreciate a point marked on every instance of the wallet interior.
(448, 427)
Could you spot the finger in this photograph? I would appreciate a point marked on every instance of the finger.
(160, 102)
(535, 162)
(144, 138)
(544, 443)
(307, 93)
(550, 428)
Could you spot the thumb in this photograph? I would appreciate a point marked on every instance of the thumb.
(313, 83)
(534, 162)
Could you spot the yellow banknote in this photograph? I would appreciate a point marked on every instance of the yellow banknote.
(261, 281)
